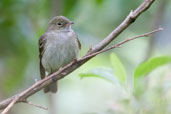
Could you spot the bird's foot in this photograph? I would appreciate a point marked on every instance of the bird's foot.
(76, 61)
(54, 79)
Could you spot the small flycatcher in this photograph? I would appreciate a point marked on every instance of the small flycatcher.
(58, 46)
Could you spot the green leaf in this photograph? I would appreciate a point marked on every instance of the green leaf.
(119, 69)
(103, 73)
(150, 65)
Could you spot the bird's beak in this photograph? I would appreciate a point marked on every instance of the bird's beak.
(70, 23)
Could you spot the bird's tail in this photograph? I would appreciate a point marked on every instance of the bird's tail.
(51, 88)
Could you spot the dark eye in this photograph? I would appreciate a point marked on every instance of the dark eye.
(59, 23)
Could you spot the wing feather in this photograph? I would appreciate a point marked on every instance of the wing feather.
(42, 42)
(79, 44)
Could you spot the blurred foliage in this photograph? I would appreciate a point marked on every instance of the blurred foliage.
(146, 68)
(17, 42)
(22, 22)
(150, 65)
(116, 74)
(141, 90)
(104, 73)
(68, 7)
(119, 70)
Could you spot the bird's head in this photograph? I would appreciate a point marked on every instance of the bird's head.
(60, 23)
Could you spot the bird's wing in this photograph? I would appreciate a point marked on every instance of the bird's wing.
(42, 42)
(79, 44)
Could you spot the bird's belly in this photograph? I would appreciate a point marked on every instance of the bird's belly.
(58, 55)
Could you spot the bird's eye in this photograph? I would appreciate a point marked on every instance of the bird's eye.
(59, 23)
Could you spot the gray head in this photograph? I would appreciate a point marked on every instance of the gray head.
(60, 23)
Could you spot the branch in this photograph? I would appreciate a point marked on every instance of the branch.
(10, 105)
(159, 13)
(62, 72)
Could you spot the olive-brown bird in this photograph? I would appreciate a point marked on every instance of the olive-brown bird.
(58, 46)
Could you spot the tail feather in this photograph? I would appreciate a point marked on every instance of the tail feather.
(51, 88)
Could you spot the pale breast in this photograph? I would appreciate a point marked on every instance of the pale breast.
(60, 49)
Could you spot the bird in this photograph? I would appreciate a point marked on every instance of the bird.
(58, 46)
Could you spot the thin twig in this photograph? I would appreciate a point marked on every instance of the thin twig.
(142, 35)
(157, 19)
(122, 42)
(36, 105)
